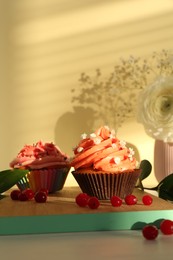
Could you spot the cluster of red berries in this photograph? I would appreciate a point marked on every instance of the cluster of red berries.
(151, 232)
(83, 200)
(40, 196)
(130, 200)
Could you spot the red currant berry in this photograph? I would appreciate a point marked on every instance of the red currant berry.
(147, 200)
(22, 196)
(82, 199)
(166, 227)
(15, 194)
(116, 201)
(130, 199)
(40, 197)
(150, 232)
(93, 203)
(29, 193)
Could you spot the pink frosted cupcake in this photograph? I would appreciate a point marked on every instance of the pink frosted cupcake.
(104, 166)
(48, 167)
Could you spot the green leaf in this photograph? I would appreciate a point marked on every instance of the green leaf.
(165, 188)
(9, 178)
(146, 168)
(168, 180)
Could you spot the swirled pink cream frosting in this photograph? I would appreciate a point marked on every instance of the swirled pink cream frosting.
(40, 155)
(103, 151)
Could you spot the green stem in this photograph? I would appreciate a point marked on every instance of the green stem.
(153, 188)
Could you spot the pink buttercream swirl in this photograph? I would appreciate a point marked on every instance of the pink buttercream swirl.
(102, 151)
(40, 155)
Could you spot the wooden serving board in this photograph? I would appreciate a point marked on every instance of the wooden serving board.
(61, 214)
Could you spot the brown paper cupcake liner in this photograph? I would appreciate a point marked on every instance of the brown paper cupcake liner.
(51, 179)
(106, 185)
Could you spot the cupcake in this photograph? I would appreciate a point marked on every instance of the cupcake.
(104, 166)
(48, 167)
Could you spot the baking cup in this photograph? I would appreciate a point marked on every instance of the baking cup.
(105, 185)
(52, 179)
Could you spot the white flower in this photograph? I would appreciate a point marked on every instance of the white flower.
(155, 109)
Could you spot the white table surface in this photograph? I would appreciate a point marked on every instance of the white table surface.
(86, 245)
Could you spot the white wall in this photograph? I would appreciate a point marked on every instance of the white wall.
(46, 45)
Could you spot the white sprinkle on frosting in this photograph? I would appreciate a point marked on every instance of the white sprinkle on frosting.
(97, 140)
(93, 135)
(117, 160)
(114, 145)
(79, 149)
(84, 136)
(132, 152)
(123, 144)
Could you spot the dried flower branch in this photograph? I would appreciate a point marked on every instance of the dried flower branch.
(114, 98)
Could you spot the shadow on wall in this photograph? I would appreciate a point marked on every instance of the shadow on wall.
(71, 125)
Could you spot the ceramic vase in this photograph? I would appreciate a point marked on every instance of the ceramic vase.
(163, 159)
